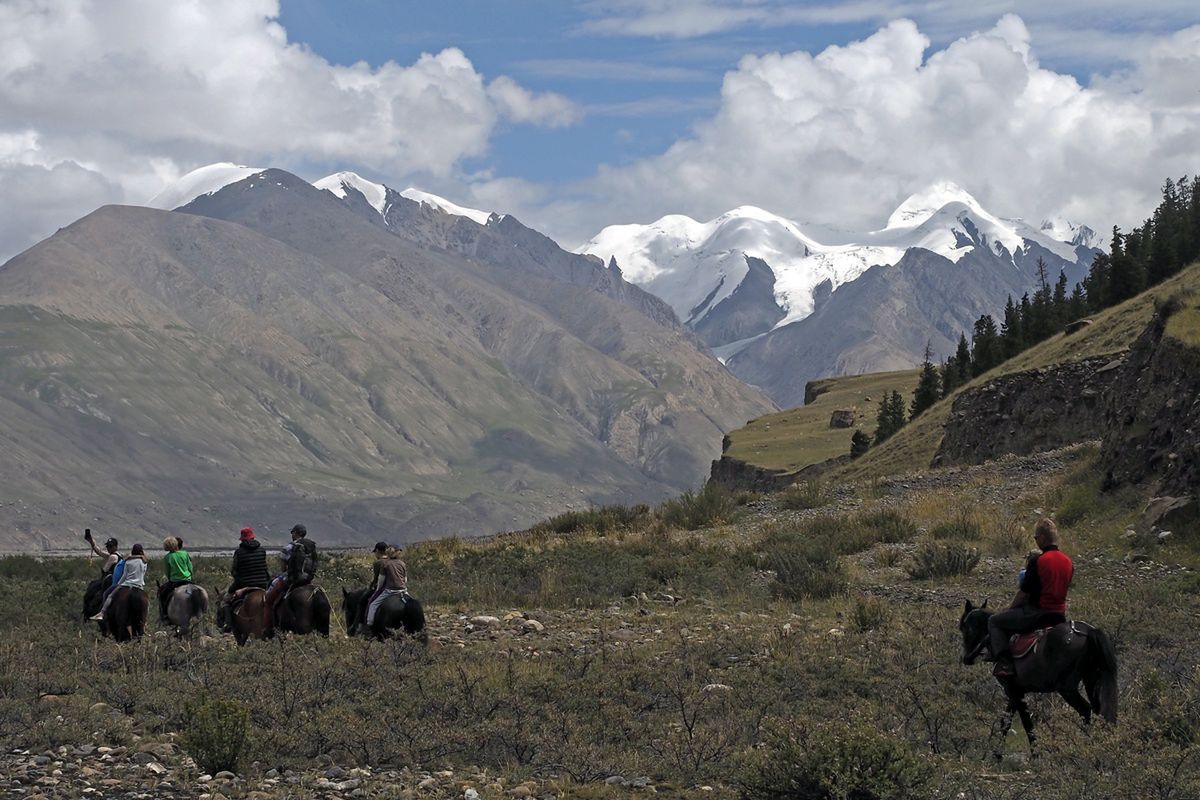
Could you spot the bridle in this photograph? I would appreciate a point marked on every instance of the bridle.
(984, 641)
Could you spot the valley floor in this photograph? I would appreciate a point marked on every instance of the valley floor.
(789, 644)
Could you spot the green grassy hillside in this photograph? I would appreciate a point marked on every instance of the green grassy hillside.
(792, 439)
(1111, 331)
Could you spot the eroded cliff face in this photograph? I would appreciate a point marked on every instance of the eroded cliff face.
(1029, 412)
(1152, 415)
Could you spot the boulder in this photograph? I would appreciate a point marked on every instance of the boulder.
(842, 418)
(1170, 513)
(1076, 326)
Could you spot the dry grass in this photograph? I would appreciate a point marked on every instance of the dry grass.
(798, 437)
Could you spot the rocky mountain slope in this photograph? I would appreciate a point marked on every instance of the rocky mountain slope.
(786, 308)
(273, 356)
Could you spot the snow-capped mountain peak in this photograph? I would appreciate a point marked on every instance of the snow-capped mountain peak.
(339, 182)
(204, 180)
(442, 203)
(1064, 230)
(922, 205)
(697, 266)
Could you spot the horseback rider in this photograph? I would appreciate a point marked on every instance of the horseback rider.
(390, 578)
(249, 571)
(300, 564)
(111, 557)
(179, 573)
(133, 576)
(1041, 601)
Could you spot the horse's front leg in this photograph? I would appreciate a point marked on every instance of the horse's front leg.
(1027, 724)
(1005, 726)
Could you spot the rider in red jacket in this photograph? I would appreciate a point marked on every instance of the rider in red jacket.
(1042, 599)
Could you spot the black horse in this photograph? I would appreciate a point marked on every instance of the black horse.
(125, 617)
(304, 609)
(1069, 653)
(93, 596)
(396, 612)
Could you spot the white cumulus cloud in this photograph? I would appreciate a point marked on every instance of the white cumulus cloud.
(141, 91)
(842, 136)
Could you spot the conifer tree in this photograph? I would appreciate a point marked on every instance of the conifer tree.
(860, 443)
(1012, 340)
(1059, 312)
(884, 427)
(1077, 305)
(896, 414)
(987, 351)
(928, 391)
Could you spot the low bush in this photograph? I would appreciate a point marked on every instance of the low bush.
(835, 761)
(805, 568)
(603, 519)
(943, 560)
(214, 733)
(962, 528)
(1077, 503)
(869, 613)
(803, 496)
(712, 505)
(889, 527)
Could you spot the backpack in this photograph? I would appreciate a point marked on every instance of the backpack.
(304, 561)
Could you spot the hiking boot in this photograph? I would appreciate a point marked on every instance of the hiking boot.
(1004, 668)
(98, 616)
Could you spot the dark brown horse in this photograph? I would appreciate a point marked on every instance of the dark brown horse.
(1070, 653)
(125, 617)
(304, 610)
(247, 618)
(396, 612)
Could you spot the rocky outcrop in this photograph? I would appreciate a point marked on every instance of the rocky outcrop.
(1152, 417)
(1029, 412)
(738, 476)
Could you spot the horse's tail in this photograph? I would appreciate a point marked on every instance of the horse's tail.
(414, 616)
(197, 601)
(1103, 656)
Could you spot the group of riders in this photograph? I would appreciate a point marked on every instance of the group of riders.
(250, 571)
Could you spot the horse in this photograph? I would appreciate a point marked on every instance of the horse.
(247, 617)
(125, 617)
(93, 596)
(303, 610)
(186, 603)
(1070, 652)
(395, 613)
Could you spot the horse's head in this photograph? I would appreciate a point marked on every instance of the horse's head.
(973, 624)
(351, 602)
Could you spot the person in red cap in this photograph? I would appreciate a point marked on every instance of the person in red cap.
(249, 565)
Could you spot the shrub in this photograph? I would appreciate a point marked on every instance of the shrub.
(889, 527)
(1076, 503)
(963, 528)
(869, 613)
(835, 761)
(943, 560)
(803, 496)
(215, 733)
(805, 568)
(604, 519)
(712, 505)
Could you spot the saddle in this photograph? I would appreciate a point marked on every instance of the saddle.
(1024, 644)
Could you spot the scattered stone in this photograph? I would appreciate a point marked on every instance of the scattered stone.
(485, 621)
(615, 780)
(718, 687)
(224, 775)
(333, 773)
(470, 794)
(532, 626)
(428, 783)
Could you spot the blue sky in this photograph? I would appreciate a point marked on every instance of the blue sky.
(574, 115)
(640, 93)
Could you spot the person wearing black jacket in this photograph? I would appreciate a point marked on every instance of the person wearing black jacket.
(302, 565)
(249, 565)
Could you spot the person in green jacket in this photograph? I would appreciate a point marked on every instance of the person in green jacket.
(179, 573)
